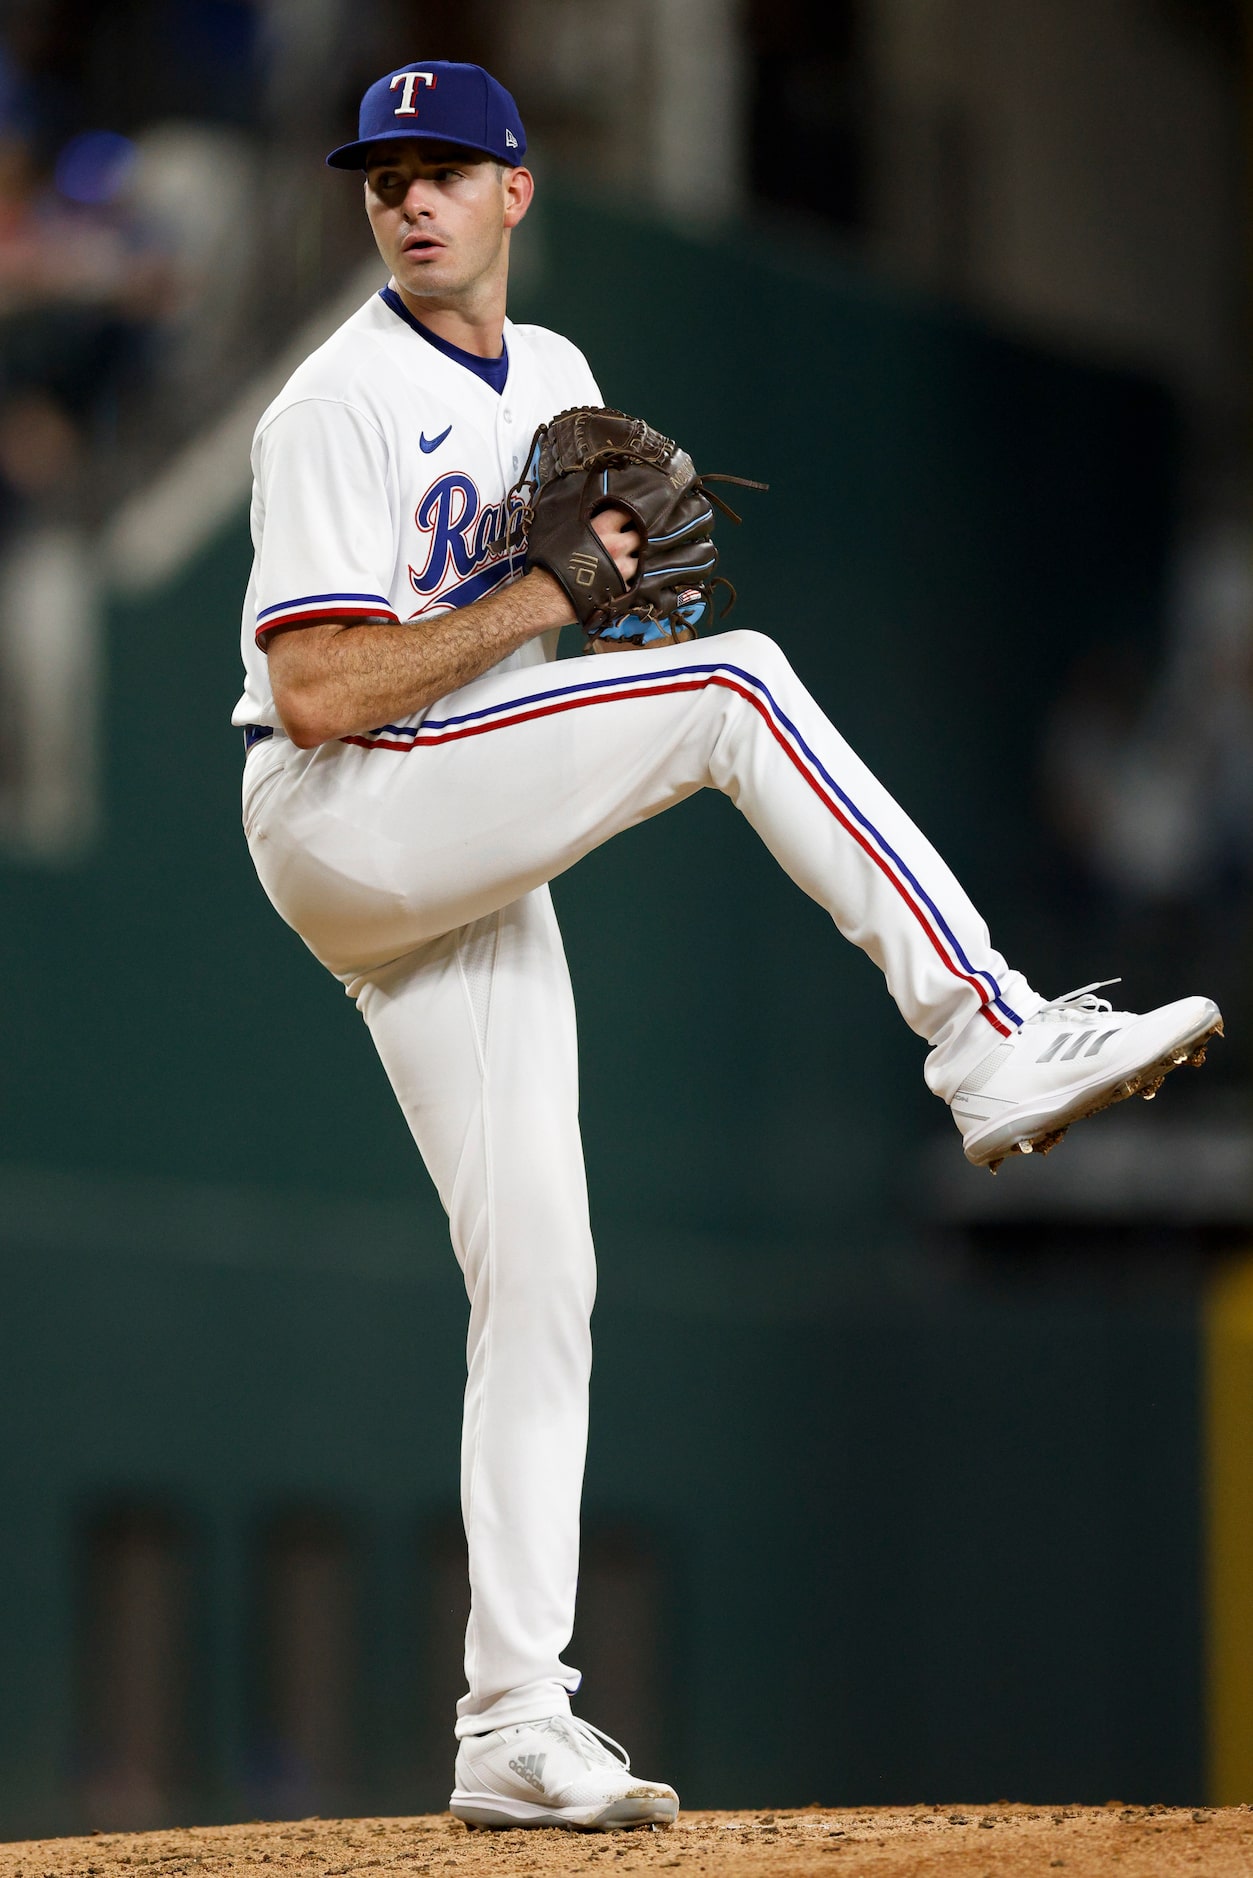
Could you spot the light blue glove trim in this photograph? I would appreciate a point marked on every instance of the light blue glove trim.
(631, 630)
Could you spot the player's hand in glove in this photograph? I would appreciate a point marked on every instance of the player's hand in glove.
(622, 540)
(592, 460)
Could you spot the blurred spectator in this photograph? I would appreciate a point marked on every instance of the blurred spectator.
(81, 286)
(1151, 789)
(143, 270)
(1147, 781)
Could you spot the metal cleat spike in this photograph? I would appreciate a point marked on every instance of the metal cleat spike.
(1197, 1057)
(1025, 1147)
(992, 1167)
(1150, 1089)
(1047, 1143)
(1182, 1057)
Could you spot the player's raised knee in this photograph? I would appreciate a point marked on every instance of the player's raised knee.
(756, 653)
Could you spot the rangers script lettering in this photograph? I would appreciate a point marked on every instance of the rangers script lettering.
(463, 536)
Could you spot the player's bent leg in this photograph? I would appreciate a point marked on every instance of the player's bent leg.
(511, 780)
(372, 849)
(477, 1035)
(1047, 1064)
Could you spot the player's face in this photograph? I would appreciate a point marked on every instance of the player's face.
(442, 216)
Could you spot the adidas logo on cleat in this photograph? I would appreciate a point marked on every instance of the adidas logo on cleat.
(531, 1768)
(1075, 1043)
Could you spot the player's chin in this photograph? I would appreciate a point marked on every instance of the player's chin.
(429, 266)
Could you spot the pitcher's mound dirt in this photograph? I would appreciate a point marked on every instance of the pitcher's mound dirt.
(921, 1841)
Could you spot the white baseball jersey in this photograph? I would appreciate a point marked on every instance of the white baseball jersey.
(380, 474)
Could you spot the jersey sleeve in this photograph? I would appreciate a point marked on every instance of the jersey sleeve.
(325, 548)
(589, 390)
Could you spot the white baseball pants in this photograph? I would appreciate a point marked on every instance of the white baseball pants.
(414, 864)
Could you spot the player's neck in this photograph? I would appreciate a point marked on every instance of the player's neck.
(478, 328)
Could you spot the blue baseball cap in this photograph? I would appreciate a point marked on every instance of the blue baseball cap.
(445, 102)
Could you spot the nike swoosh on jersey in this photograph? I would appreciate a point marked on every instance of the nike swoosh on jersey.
(426, 445)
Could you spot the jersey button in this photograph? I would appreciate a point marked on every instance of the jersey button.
(508, 416)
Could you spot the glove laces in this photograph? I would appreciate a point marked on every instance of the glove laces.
(1083, 1002)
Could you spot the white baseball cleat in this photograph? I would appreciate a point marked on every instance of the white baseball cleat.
(1073, 1057)
(556, 1772)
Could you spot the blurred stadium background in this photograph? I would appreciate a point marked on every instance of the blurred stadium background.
(904, 1484)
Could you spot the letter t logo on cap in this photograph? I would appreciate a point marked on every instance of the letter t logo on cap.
(410, 81)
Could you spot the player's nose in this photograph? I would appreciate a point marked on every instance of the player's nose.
(418, 200)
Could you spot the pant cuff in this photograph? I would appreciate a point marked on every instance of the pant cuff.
(950, 1062)
(535, 1702)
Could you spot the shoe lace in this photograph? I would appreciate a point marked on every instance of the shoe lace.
(1071, 1003)
(598, 1740)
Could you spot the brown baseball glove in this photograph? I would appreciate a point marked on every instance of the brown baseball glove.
(590, 459)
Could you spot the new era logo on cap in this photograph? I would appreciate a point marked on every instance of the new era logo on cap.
(441, 100)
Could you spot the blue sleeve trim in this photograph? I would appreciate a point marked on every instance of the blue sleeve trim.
(317, 599)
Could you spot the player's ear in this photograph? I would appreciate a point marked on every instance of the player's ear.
(519, 188)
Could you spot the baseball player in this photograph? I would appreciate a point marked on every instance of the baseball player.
(419, 769)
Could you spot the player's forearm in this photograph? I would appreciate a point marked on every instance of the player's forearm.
(333, 681)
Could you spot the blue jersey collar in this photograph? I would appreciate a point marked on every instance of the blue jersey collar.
(493, 372)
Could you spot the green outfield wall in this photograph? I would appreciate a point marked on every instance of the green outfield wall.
(875, 1520)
